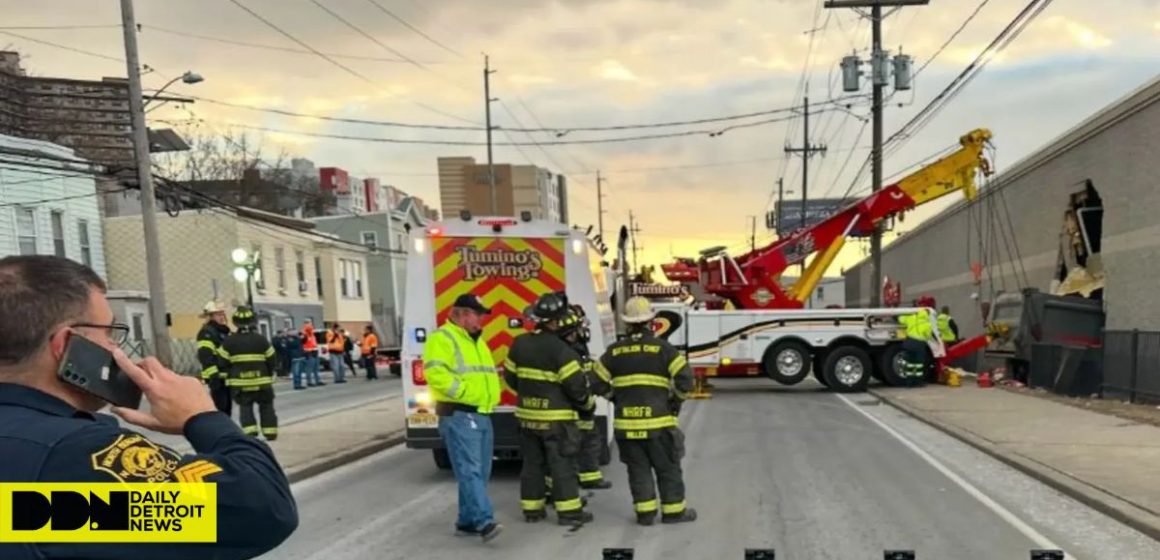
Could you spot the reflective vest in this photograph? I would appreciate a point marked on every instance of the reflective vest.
(460, 369)
(917, 326)
(944, 328)
(335, 342)
(309, 341)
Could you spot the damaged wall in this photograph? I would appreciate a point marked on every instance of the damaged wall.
(1117, 151)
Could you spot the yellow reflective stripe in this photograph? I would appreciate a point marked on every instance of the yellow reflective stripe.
(251, 382)
(680, 395)
(269, 351)
(533, 505)
(640, 380)
(432, 364)
(569, 369)
(594, 476)
(677, 365)
(509, 365)
(206, 344)
(269, 431)
(646, 506)
(250, 430)
(602, 372)
(644, 423)
(590, 403)
(669, 509)
(209, 372)
(221, 351)
(536, 374)
(569, 505)
(545, 415)
(586, 424)
(243, 358)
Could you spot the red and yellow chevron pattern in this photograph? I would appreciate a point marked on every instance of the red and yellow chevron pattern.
(508, 274)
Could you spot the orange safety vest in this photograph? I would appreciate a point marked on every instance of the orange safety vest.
(311, 343)
(369, 343)
(335, 342)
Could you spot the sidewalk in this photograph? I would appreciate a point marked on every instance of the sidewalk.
(1109, 463)
(318, 444)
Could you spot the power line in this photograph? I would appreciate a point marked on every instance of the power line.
(274, 47)
(951, 38)
(56, 27)
(415, 29)
(65, 47)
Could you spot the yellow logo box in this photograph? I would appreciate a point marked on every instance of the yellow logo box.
(114, 512)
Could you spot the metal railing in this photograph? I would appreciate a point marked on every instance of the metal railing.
(1131, 365)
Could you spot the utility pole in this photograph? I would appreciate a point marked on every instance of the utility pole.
(157, 308)
(752, 233)
(633, 229)
(806, 151)
(487, 101)
(880, 75)
(600, 204)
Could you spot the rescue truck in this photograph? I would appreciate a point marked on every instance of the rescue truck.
(508, 263)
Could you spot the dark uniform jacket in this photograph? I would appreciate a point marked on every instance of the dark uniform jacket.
(545, 372)
(248, 359)
(44, 439)
(209, 339)
(650, 378)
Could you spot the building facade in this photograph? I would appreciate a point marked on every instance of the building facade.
(46, 209)
(1077, 216)
(90, 116)
(830, 292)
(466, 185)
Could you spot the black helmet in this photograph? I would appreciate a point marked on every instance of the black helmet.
(549, 307)
(244, 316)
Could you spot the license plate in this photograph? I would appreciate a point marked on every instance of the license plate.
(422, 420)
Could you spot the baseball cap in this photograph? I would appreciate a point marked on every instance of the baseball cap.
(472, 302)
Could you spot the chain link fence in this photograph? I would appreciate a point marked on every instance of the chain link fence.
(184, 354)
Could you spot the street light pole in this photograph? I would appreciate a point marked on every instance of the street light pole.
(157, 308)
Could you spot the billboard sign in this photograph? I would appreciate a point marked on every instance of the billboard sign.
(787, 214)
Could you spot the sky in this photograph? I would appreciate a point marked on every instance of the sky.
(564, 64)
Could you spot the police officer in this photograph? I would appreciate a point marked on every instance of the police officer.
(209, 339)
(51, 431)
(249, 359)
(544, 371)
(650, 380)
(576, 332)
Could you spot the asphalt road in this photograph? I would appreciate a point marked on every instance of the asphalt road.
(808, 473)
(296, 406)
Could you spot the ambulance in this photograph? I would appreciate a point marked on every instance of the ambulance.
(508, 262)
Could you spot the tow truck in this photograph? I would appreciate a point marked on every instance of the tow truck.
(508, 263)
(743, 323)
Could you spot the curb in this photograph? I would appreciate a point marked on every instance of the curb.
(349, 455)
(1108, 504)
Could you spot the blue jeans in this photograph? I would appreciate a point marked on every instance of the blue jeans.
(310, 368)
(297, 366)
(469, 441)
(336, 365)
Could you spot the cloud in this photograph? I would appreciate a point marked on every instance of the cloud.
(615, 71)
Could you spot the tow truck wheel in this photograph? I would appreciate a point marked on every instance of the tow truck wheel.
(442, 459)
(847, 369)
(890, 365)
(787, 362)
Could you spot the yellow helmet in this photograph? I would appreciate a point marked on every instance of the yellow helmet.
(638, 310)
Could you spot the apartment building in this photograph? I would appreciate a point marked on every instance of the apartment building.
(465, 185)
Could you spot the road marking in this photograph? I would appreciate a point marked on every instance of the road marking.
(1003, 513)
(308, 484)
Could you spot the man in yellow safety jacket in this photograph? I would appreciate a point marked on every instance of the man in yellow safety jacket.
(948, 331)
(461, 374)
(914, 348)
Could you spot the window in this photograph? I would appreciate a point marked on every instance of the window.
(358, 291)
(300, 266)
(86, 248)
(58, 233)
(280, 267)
(370, 239)
(318, 275)
(256, 252)
(26, 230)
(821, 292)
(138, 327)
(345, 265)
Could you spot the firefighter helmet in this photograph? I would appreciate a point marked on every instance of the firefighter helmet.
(212, 307)
(549, 307)
(638, 310)
(243, 315)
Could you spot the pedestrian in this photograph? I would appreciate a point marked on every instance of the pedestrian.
(281, 363)
(461, 374)
(348, 352)
(650, 380)
(209, 339)
(576, 333)
(52, 431)
(297, 355)
(545, 373)
(249, 358)
(335, 348)
(310, 352)
(369, 349)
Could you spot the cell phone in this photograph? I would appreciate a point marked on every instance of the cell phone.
(91, 367)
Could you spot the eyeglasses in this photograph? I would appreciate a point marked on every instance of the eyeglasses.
(117, 332)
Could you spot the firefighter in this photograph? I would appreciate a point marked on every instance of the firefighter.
(915, 348)
(545, 372)
(650, 380)
(209, 340)
(576, 333)
(249, 359)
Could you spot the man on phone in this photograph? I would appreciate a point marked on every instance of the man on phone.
(51, 431)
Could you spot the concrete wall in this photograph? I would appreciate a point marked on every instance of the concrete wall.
(1116, 149)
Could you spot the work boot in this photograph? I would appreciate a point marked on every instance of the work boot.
(465, 531)
(686, 516)
(575, 518)
(535, 516)
(596, 485)
(490, 531)
(646, 519)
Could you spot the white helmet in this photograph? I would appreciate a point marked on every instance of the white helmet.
(212, 307)
(638, 310)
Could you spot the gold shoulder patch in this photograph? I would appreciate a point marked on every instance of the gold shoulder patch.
(133, 458)
(196, 471)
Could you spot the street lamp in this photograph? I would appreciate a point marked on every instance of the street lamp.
(246, 271)
(188, 78)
